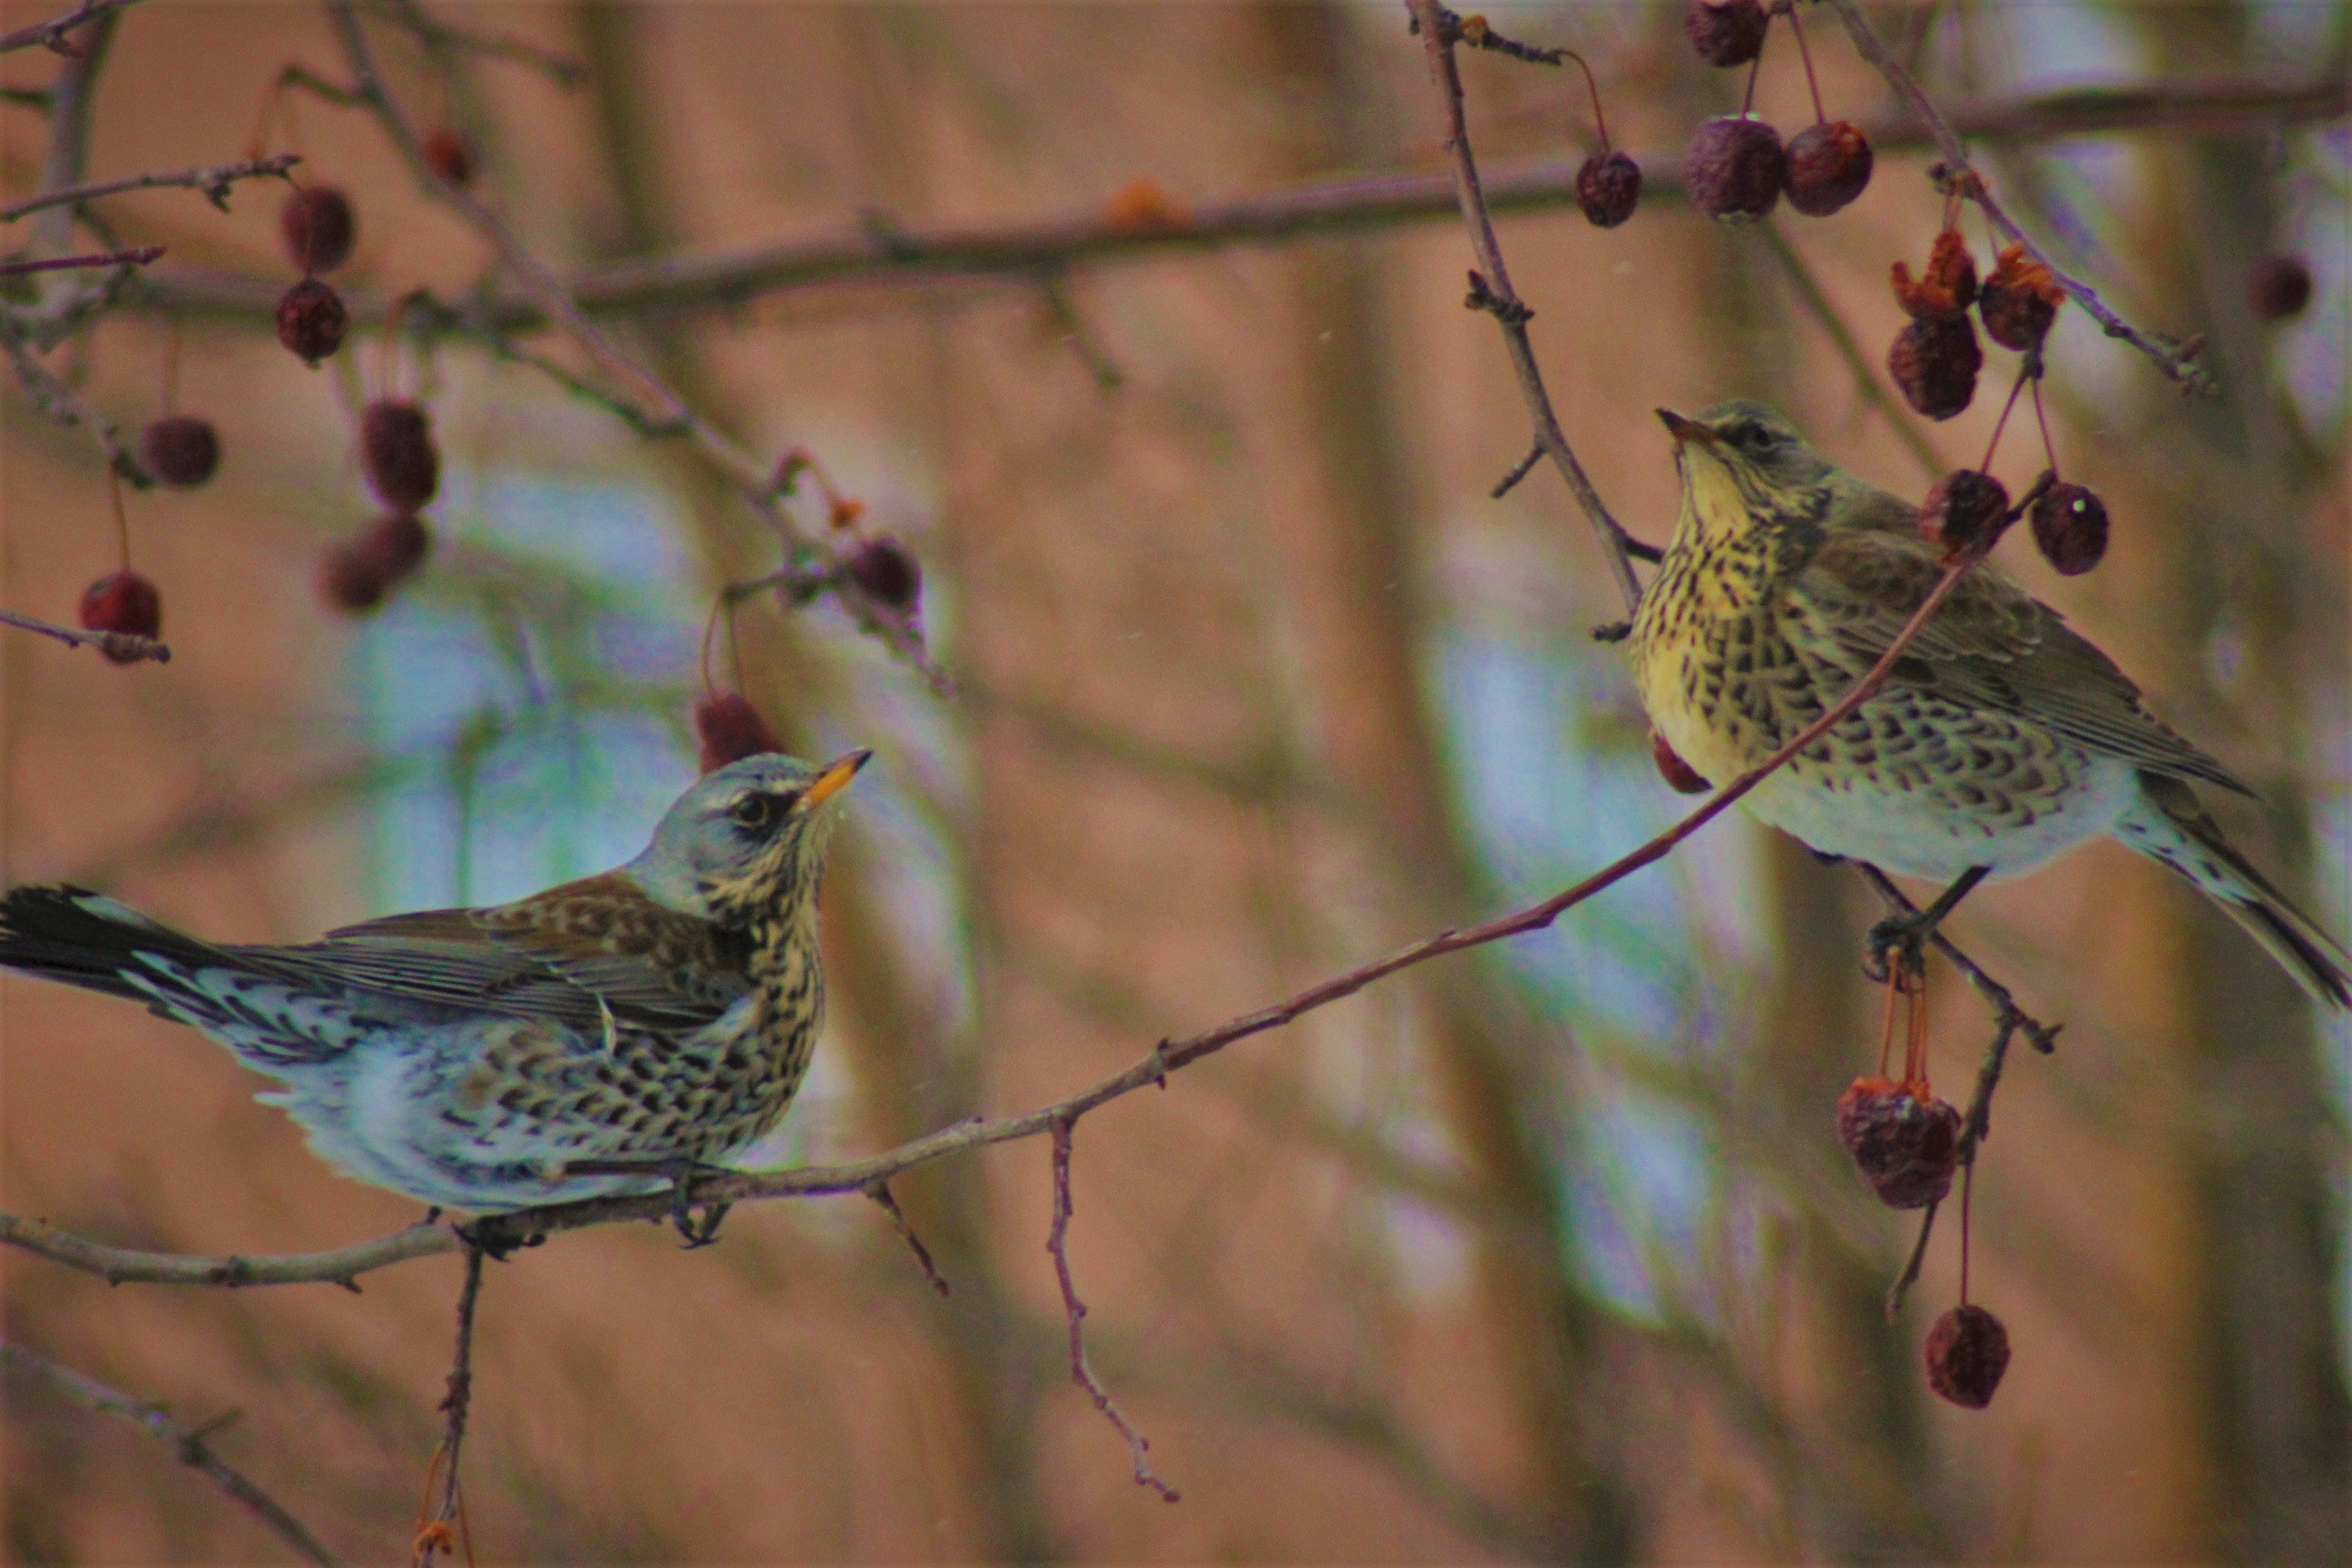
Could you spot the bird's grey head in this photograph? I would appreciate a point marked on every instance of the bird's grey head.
(747, 838)
(1744, 465)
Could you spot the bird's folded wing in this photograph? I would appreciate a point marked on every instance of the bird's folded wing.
(1991, 646)
(562, 956)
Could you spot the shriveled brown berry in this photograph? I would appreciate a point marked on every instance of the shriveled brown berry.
(1935, 362)
(1829, 165)
(311, 321)
(2018, 300)
(1949, 285)
(888, 570)
(318, 227)
(1680, 776)
(1735, 168)
(122, 602)
(181, 450)
(1726, 32)
(449, 156)
(1607, 187)
(2070, 525)
(1905, 1144)
(404, 466)
(727, 728)
(357, 575)
(1962, 508)
(2278, 287)
(1967, 1353)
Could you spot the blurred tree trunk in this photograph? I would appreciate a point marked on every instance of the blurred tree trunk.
(1356, 562)
(896, 1042)
(2242, 557)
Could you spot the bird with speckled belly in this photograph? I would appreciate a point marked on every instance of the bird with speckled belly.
(2000, 738)
(612, 1035)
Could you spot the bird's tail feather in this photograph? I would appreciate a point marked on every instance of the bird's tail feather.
(2171, 826)
(86, 939)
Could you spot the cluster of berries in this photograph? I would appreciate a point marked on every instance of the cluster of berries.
(1935, 362)
(879, 564)
(404, 468)
(1738, 168)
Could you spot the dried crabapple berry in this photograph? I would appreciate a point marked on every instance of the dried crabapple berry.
(122, 602)
(1905, 1145)
(404, 466)
(1935, 362)
(1949, 285)
(1961, 508)
(1607, 187)
(727, 728)
(1829, 165)
(1726, 32)
(1735, 168)
(311, 321)
(1967, 1352)
(449, 156)
(1683, 778)
(356, 575)
(2278, 287)
(181, 450)
(887, 570)
(2070, 526)
(2018, 300)
(317, 226)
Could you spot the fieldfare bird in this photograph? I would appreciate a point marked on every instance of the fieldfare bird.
(2000, 739)
(611, 1035)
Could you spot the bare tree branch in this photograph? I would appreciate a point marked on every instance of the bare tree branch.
(457, 1404)
(124, 648)
(51, 34)
(213, 180)
(191, 1445)
(1074, 1311)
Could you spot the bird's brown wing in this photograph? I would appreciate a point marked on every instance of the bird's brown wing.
(1991, 646)
(569, 954)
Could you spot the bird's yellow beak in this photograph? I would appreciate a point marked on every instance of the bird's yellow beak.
(1686, 430)
(835, 779)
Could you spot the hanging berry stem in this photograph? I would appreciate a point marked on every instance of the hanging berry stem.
(122, 521)
(1747, 101)
(1967, 1191)
(1821, 116)
(1599, 120)
(2025, 375)
(2049, 449)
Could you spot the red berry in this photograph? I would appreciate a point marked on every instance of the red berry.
(2070, 525)
(449, 156)
(2278, 287)
(1726, 32)
(2018, 300)
(1679, 774)
(318, 227)
(887, 570)
(1962, 508)
(1905, 1145)
(403, 463)
(357, 575)
(1935, 362)
(1735, 168)
(311, 321)
(122, 602)
(1967, 1352)
(730, 729)
(181, 450)
(1607, 187)
(1829, 165)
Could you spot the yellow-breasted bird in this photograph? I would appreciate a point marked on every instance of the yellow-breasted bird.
(614, 1034)
(2000, 739)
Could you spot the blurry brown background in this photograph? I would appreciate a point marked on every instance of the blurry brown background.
(1543, 1252)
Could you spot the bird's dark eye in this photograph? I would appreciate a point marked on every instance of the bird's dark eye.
(1752, 438)
(756, 812)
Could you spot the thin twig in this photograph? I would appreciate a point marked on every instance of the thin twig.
(213, 180)
(138, 256)
(124, 648)
(1058, 1242)
(62, 405)
(51, 33)
(435, 34)
(880, 1192)
(1491, 291)
(2177, 358)
(456, 1403)
(192, 1447)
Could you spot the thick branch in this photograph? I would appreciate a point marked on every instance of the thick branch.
(213, 180)
(51, 33)
(2175, 359)
(190, 1445)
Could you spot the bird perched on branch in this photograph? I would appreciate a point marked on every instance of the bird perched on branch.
(610, 1035)
(2000, 738)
